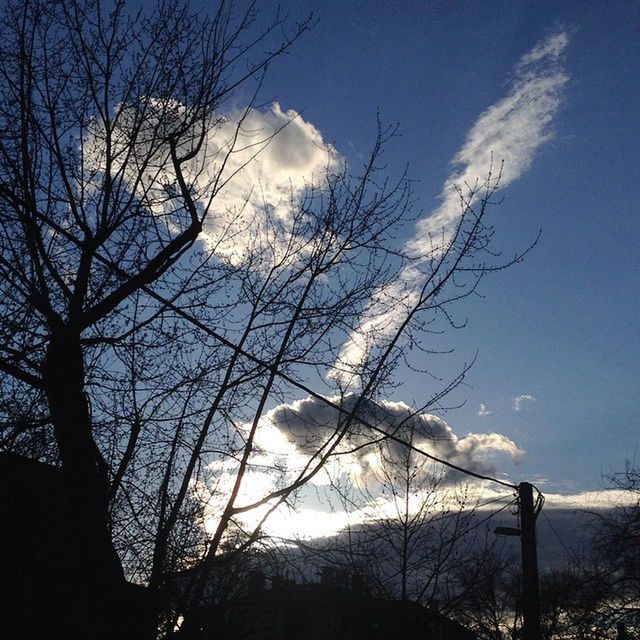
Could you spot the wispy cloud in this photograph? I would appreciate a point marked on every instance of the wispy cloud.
(511, 130)
(522, 402)
(483, 410)
(591, 500)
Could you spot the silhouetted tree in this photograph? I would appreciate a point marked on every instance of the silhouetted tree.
(414, 520)
(484, 593)
(610, 585)
(574, 600)
(617, 539)
(150, 314)
(103, 188)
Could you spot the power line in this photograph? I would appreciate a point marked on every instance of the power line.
(491, 515)
(570, 552)
(315, 394)
(273, 368)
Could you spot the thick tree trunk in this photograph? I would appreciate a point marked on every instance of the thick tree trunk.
(96, 574)
(84, 471)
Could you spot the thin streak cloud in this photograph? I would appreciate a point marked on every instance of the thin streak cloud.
(511, 130)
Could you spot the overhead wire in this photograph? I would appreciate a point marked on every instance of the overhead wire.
(558, 536)
(214, 334)
(491, 515)
(295, 383)
(274, 369)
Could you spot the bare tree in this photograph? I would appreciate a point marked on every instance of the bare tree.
(150, 315)
(485, 593)
(618, 535)
(612, 583)
(105, 183)
(575, 599)
(413, 518)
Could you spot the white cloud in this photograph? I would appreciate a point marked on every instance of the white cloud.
(263, 188)
(512, 130)
(310, 422)
(591, 500)
(552, 47)
(256, 163)
(290, 433)
(523, 402)
(483, 410)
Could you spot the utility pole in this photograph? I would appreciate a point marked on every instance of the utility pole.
(530, 593)
(527, 533)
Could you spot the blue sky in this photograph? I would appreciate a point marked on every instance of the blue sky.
(562, 327)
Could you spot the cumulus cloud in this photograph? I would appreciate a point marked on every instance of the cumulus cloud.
(291, 433)
(249, 171)
(511, 130)
(310, 423)
(276, 158)
(523, 402)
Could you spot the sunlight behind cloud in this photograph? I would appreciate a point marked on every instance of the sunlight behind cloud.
(291, 433)
(275, 158)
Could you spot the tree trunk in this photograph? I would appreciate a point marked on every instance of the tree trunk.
(96, 575)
